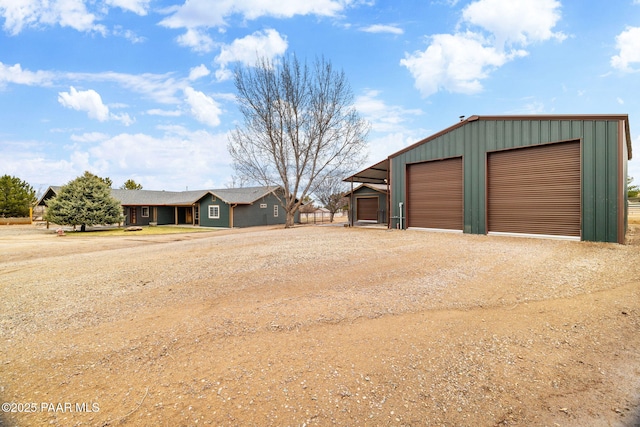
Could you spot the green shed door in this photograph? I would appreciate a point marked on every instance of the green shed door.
(434, 194)
(535, 190)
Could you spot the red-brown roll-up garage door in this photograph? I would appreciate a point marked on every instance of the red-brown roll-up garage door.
(535, 190)
(434, 198)
(367, 208)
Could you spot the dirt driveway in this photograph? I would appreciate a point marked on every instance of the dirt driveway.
(317, 326)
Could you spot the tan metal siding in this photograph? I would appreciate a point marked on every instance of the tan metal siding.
(434, 191)
(535, 190)
(367, 208)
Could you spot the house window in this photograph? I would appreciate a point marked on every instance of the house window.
(263, 206)
(214, 212)
(145, 212)
(275, 210)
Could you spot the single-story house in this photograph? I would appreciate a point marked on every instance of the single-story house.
(540, 175)
(229, 207)
(369, 202)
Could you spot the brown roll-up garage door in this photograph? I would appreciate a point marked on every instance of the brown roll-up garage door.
(535, 190)
(367, 208)
(434, 198)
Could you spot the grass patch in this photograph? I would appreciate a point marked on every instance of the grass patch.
(146, 231)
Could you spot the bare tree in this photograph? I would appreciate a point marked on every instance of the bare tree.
(237, 182)
(307, 206)
(330, 194)
(299, 127)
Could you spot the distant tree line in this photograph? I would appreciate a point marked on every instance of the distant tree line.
(632, 190)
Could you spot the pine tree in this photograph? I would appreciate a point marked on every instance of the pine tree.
(84, 201)
(16, 197)
(131, 185)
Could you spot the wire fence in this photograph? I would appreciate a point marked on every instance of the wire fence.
(322, 217)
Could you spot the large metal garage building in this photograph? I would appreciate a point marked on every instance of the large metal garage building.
(560, 176)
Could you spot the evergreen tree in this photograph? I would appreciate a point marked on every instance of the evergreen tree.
(16, 197)
(84, 201)
(131, 185)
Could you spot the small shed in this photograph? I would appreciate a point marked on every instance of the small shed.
(369, 203)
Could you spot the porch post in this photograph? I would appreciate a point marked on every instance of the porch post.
(351, 210)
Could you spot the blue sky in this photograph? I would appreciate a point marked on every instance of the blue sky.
(141, 89)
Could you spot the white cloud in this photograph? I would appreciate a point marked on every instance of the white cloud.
(162, 88)
(200, 71)
(196, 16)
(90, 137)
(620, 101)
(392, 126)
(203, 107)
(378, 28)
(196, 39)
(205, 13)
(15, 74)
(382, 145)
(127, 34)
(165, 113)
(90, 102)
(496, 32)
(139, 7)
(124, 118)
(267, 44)
(173, 161)
(383, 117)
(628, 45)
(531, 105)
(34, 13)
(29, 161)
(455, 63)
(516, 22)
(159, 87)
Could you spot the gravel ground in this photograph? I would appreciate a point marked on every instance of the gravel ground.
(317, 326)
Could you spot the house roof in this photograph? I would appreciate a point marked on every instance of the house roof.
(241, 196)
(381, 188)
(377, 174)
(157, 198)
